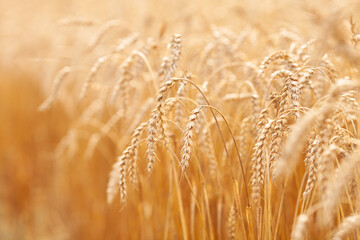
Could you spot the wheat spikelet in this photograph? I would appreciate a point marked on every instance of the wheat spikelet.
(205, 56)
(290, 95)
(165, 64)
(231, 222)
(162, 123)
(262, 120)
(324, 182)
(293, 146)
(297, 138)
(340, 135)
(342, 85)
(255, 102)
(230, 147)
(169, 64)
(273, 57)
(132, 38)
(90, 77)
(91, 110)
(179, 113)
(123, 82)
(151, 147)
(346, 227)
(258, 163)
(329, 65)
(92, 143)
(245, 130)
(290, 35)
(175, 47)
(305, 79)
(170, 105)
(117, 180)
(301, 51)
(188, 138)
(279, 74)
(284, 101)
(294, 89)
(219, 54)
(133, 152)
(102, 31)
(222, 86)
(300, 227)
(354, 36)
(145, 108)
(332, 188)
(209, 148)
(204, 88)
(57, 83)
(142, 55)
(69, 141)
(105, 129)
(223, 41)
(312, 153)
(157, 120)
(122, 177)
(350, 99)
(278, 131)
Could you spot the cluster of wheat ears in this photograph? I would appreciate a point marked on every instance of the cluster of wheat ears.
(212, 142)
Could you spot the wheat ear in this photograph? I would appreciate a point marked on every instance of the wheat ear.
(90, 77)
(57, 83)
(231, 223)
(346, 227)
(117, 180)
(300, 227)
(133, 152)
(157, 122)
(188, 138)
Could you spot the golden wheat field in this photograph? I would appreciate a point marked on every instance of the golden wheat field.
(159, 119)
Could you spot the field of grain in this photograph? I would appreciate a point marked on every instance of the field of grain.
(155, 119)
